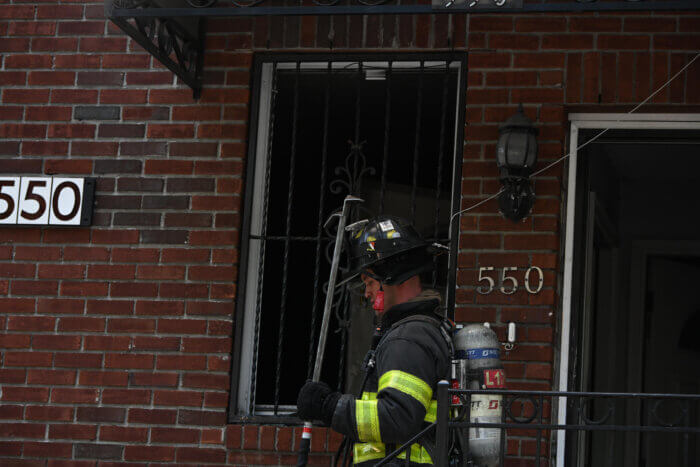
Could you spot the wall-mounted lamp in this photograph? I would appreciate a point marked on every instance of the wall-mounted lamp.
(516, 155)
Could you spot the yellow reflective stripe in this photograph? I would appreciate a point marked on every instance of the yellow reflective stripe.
(363, 452)
(408, 384)
(431, 413)
(419, 455)
(369, 396)
(367, 420)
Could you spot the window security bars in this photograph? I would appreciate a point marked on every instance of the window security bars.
(617, 428)
(381, 128)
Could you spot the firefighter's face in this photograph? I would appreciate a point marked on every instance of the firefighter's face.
(371, 287)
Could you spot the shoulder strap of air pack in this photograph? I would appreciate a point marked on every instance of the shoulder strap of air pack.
(444, 325)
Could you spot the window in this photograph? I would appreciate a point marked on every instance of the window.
(381, 128)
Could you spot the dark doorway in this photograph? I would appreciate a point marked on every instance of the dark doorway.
(636, 270)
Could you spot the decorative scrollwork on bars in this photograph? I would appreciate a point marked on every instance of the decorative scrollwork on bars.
(353, 171)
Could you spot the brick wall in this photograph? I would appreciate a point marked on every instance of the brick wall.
(115, 339)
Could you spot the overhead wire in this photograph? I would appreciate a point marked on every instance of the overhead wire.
(583, 145)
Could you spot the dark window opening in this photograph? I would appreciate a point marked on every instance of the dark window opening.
(383, 131)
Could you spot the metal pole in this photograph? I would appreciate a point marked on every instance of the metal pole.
(306, 433)
(442, 430)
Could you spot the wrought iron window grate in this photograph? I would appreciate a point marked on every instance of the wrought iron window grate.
(382, 128)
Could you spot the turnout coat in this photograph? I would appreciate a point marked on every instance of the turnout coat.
(412, 356)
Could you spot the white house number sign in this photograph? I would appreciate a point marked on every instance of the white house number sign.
(509, 284)
(46, 200)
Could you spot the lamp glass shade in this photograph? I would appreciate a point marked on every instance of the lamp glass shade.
(516, 150)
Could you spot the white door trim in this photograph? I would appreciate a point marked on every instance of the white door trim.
(677, 121)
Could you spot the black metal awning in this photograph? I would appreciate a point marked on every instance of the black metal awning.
(173, 30)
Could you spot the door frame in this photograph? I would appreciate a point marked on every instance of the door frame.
(593, 121)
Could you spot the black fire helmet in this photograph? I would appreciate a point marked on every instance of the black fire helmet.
(390, 250)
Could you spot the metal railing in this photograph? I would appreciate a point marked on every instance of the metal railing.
(588, 412)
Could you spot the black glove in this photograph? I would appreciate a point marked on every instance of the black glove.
(317, 401)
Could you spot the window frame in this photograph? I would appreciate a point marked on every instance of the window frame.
(257, 142)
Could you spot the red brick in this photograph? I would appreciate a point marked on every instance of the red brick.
(168, 167)
(219, 238)
(86, 432)
(17, 12)
(212, 273)
(78, 360)
(135, 255)
(156, 343)
(22, 430)
(189, 255)
(159, 308)
(531, 242)
(55, 44)
(154, 379)
(182, 326)
(181, 362)
(250, 437)
(28, 358)
(490, 23)
(623, 42)
(107, 342)
(51, 78)
(101, 414)
(206, 345)
(567, 41)
(62, 166)
(12, 376)
(173, 290)
(196, 113)
(124, 434)
(119, 96)
(149, 453)
(233, 437)
(81, 324)
(163, 130)
(161, 272)
(25, 394)
(206, 381)
(99, 271)
(103, 378)
(122, 61)
(62, 414)
(215, 363)
(677, 41)
(171, 96)
(133, 289)
(59, 306)
(77, 61)
(31, 323)
(10, 113)
(75, 396)
(201, 455)
(129, 361)
(14, 341)
(126, 396)
(61, 271)
(115, 236)
(17, 305)
(56, 342)
(152, 416)
(226, 95)
(84, 288)
(110, 307)
(178, 398)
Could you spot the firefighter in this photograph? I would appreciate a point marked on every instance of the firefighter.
(412, 353)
